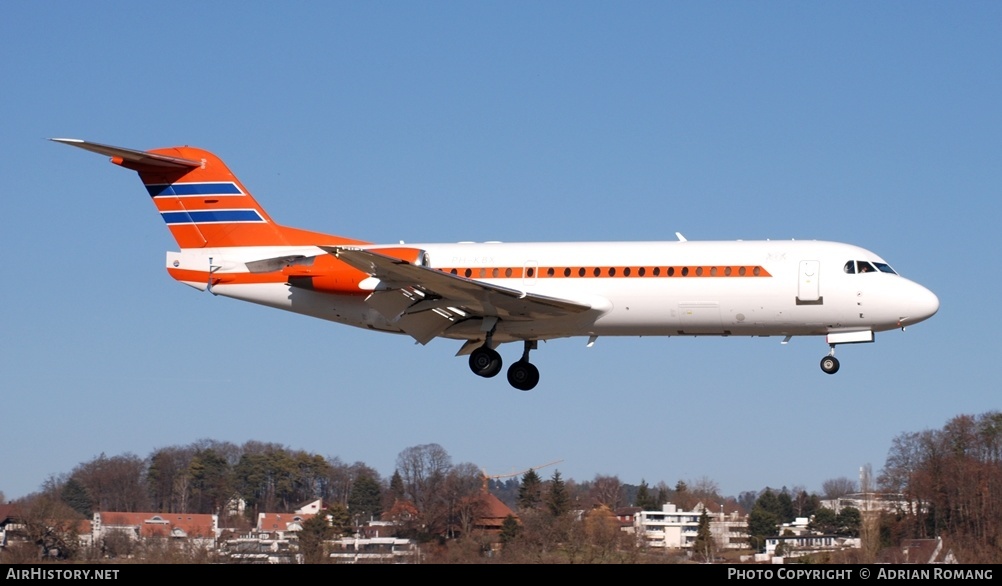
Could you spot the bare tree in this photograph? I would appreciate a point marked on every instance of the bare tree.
(49, 524)
(464, 498)
(423, 469)
(836, 488)
(606, 491)
(116, 483)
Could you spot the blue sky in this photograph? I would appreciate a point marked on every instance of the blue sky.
(874, 123)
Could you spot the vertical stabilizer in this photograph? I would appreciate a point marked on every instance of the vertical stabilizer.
(203, 204)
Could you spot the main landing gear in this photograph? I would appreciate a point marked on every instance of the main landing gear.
(523, 375)
(485, 361)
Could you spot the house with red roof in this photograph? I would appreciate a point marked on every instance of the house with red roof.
(200, 529)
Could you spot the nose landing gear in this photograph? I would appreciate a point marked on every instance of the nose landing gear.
(829, 363)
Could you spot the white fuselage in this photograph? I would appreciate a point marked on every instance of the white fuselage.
(804, 288)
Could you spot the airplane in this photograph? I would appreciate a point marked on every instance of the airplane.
(490, 293)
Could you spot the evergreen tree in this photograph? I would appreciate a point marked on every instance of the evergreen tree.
(75, 495)
(645, 500)
(530, 492)
(683, 497)
(211, 485)
(824, 521)
(365, 501)
(316, 530)
(761, 524)
(397, 486)
(786, 512)
(849, 521)
(558, 501)
(509, 530)
(339, 519)
(704, 546)
(663, 496)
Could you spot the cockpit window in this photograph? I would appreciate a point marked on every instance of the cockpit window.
(861, 266)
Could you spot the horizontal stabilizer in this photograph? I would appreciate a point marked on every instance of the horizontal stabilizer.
(139, 158)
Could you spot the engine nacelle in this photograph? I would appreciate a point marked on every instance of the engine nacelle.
(327, 274)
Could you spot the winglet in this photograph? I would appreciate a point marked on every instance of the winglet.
(139, 158)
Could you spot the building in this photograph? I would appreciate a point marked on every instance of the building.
(671, 528)
(109, 528)
(382, 550)
(792, 546)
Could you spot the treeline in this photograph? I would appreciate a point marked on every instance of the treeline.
(207, 476)
(951, 483)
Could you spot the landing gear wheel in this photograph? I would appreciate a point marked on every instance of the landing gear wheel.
(523, 375)
(829, 364)
(485, 362)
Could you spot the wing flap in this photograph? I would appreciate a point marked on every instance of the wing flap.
(424, 326)
(391, 303)
(477, 297)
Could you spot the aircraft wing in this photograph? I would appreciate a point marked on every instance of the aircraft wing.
(424, 302)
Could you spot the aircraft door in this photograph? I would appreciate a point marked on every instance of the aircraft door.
(700, 318)
(808, 286)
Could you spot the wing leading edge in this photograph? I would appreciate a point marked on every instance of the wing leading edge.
(138, 159)
(424, 302)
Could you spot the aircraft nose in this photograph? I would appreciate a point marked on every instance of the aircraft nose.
(922, 304)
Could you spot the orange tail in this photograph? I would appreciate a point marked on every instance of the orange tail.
(202, 202)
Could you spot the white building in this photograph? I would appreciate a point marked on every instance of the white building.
(387, 550)
(805, 544)
(671, 528)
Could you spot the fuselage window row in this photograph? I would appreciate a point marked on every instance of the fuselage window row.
(622, 272)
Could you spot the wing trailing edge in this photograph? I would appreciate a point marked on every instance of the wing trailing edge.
(424, 302)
